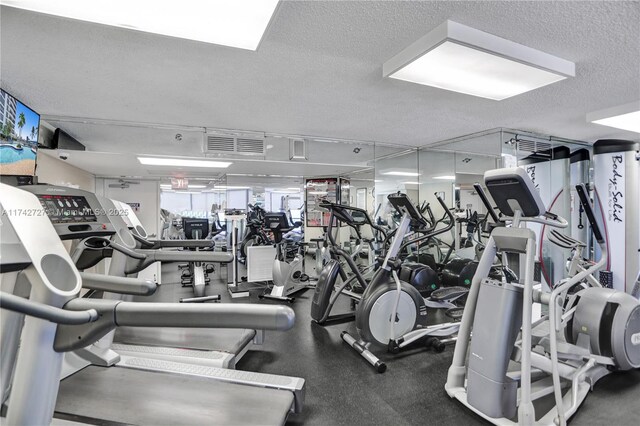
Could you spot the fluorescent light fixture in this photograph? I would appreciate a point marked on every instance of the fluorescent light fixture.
(465, 60)
(231, 187)
(182, 162)
(412, 183)
(625, 117)
(412, 174)
(197, 186)
(448, 177)
(233, 23)
(318, 192)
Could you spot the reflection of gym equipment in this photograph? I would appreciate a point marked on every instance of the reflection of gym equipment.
(600, 325)
(254, 234)
(289, 277)
(392, 313)
(196, 274)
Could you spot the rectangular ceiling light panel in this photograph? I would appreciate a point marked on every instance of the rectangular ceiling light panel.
(234, 23)
(465, 60)
(182, 162)
(625, 117)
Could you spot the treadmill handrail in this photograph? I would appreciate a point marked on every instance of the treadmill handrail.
(24, 306)
(175, 256)
(143, 241)
(227, 315)
(134, 254)
(121, 285)
(158, 244)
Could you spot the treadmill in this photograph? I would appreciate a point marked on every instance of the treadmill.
(216, 348)
(55, 320)
(121, 237)
(99, 222)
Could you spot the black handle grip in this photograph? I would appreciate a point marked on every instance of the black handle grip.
(588, 210)
(485, 201)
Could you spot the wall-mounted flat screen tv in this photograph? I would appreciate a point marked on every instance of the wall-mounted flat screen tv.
(19, 127)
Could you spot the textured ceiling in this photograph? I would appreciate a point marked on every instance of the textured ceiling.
(318, 72)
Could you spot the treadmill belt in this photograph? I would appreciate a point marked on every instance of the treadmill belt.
(131, 396)
(207, 339)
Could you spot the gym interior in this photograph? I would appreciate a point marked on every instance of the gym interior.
(263, 212)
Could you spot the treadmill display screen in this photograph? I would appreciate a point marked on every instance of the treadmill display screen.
(67, 208)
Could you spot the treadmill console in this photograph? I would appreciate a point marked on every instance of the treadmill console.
(74, 213)
(67, 208)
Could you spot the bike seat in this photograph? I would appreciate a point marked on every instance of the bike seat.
(448, 293)
(455, 313)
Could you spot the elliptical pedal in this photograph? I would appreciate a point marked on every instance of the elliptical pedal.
(448, 293)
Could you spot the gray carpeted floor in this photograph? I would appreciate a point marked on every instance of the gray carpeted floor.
(343, 389)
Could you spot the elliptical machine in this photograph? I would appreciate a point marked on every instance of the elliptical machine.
(289, 277)
(587, 333)
(327, 289)
(196, 274)
(393, 313)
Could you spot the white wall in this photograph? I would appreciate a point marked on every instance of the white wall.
(147, 194)
(58, 172)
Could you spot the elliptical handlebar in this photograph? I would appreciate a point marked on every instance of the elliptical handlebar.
(432, 231)
(485, 201)
(340, 212)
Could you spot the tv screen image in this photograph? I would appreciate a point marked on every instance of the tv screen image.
(19, 127)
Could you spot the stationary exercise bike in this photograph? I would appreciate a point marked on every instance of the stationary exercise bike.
(288, 275)
(393, 313)
(589, 331)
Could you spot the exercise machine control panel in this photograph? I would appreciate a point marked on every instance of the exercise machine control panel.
(67, 208)
(74, 213)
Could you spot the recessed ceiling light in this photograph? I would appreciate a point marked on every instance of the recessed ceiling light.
(465, 60)
(234, 23)
(412, 183)
(447, 177)
(625, 117)
(182, 162)
(413, 174)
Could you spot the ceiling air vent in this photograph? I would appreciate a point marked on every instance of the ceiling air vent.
(220, 143)
(531, 146)
(298, 149)
(250, 146)
(234, 144)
